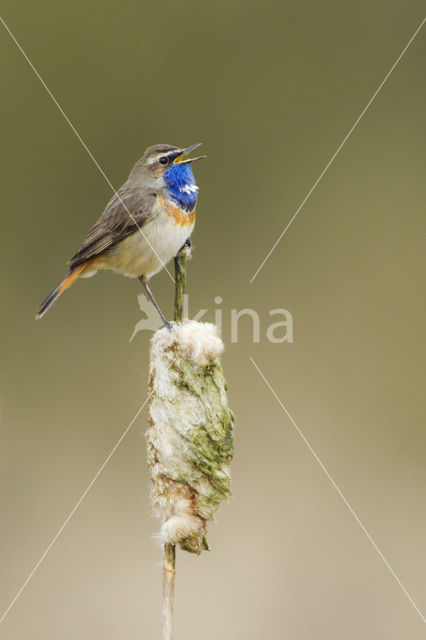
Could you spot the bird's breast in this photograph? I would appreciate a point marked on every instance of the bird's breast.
(179, 216)
(149, 248)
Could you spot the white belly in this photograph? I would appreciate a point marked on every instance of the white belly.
(146, 252)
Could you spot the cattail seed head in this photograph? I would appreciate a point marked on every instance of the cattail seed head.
(190, 432)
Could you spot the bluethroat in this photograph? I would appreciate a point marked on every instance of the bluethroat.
(144, 225)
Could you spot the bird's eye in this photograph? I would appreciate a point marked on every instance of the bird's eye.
(163, 160)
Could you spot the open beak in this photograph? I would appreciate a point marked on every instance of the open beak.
(181, 158)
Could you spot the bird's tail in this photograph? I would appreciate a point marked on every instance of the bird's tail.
(71, 276)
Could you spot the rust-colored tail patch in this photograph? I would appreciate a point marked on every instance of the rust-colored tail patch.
(70, 278)
(62, 286)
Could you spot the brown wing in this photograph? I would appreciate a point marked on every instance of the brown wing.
(125, 212)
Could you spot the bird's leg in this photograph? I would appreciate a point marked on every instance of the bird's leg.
(144, 282)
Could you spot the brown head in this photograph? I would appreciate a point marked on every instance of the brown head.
(159, 158)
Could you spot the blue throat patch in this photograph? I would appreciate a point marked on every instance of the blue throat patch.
(181, 183)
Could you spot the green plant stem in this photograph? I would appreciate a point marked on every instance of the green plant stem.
(180, 283)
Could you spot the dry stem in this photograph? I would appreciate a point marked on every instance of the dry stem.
(169, 572)
(169, 550)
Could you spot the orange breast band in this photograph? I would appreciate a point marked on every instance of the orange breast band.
(181, 218)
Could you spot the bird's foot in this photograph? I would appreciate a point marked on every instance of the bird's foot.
(187, 244)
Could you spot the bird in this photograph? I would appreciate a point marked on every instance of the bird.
(144, 225)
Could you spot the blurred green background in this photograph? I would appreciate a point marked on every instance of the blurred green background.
(271, 89)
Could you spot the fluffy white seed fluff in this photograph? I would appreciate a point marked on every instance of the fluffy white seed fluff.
(198, 341)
